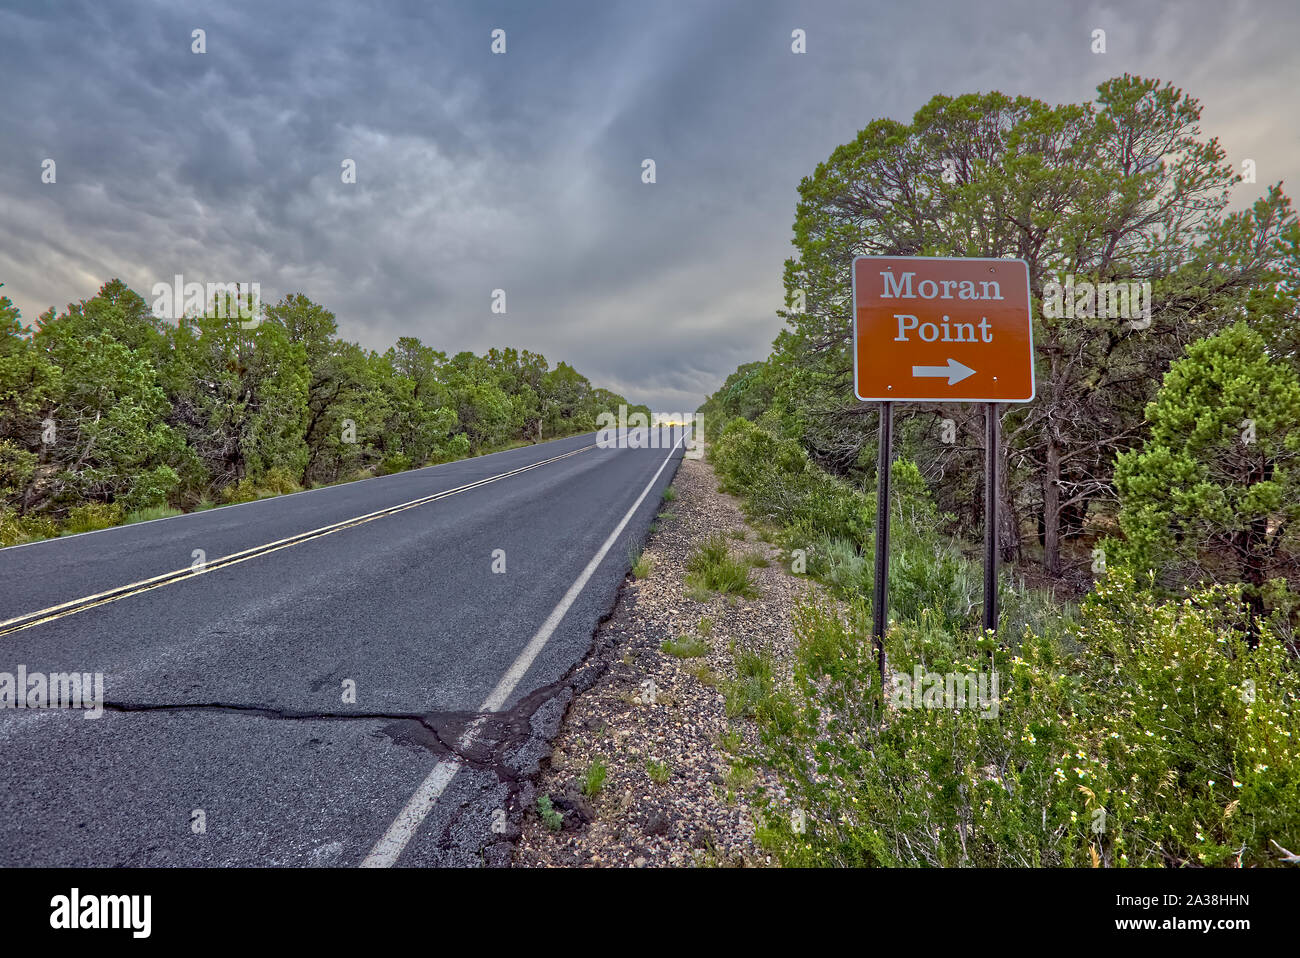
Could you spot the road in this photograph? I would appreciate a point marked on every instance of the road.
(229, 738)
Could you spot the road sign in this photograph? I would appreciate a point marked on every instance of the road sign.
(937, 329)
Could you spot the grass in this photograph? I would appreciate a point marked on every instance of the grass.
(670, 494)
(641, 566)
(150, 514)
(731, 741)
(705, 676)
(593, 780)
(686, 647)
(91, 517)
(711, 568)
(697, 592)
(753, 685)
(553, 818)
(706, 627)
(740, 777)
(658, 771)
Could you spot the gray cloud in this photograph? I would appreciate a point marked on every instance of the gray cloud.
(522, 171)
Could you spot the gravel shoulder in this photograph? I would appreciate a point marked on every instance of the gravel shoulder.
(678, 789)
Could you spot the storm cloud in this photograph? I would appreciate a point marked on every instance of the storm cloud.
(522, 171)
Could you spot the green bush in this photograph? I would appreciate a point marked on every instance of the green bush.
(1168, 741)
(150, 488)
(92, 516)
(394, 462)
(15, 529)
(275, 482)
(780, 486)
(1192, 737)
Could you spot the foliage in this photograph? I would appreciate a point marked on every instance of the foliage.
(685, 647)
(1214, 493)
(1120, 189)
(105, 405)
(1167, 742)
(1141, 730)
(552, 817)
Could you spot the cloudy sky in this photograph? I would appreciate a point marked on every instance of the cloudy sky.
(522, 171)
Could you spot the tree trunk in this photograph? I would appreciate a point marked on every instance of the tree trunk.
(1008, 518)
(1052, 510)
(1253, 574)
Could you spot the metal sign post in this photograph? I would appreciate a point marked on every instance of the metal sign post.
(880, 597)
(992, 452)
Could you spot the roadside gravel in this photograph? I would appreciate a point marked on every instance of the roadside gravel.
(678, 789)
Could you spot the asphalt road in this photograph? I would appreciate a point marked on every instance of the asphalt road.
(228, 738)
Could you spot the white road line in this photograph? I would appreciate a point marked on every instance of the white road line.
(394, 841)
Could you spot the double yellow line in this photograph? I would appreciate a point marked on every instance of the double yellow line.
(32, 619)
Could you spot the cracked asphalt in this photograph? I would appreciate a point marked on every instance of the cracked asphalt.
(226, 739)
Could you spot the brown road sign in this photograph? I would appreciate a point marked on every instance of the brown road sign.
(935, 329)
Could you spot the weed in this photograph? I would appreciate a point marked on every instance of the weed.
(553, 818)
(687, 647)
(594, 778)
(712, 568)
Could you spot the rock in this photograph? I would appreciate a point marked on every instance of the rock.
(577, 809)
(657, 824)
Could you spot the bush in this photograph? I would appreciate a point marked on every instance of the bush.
(151, 488)
(780, 486)
(16, 529)
(457, 447)
(1192, 737)
(1168, 741)
(394, 462)
(276, 482)
(91, 517)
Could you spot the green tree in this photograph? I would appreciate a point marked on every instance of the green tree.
(240, 395)
(1122, 189)
(1214, 492)
(29, 383)
(111, 441)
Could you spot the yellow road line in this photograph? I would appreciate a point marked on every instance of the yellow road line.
(72, 607)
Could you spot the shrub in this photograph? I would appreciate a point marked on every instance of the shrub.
(1168, 741)
(150, 488)
(15, 529)
(550, 815)
(91, 517)
(394, 462)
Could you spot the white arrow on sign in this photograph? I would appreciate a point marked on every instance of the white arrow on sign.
(954, 371)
